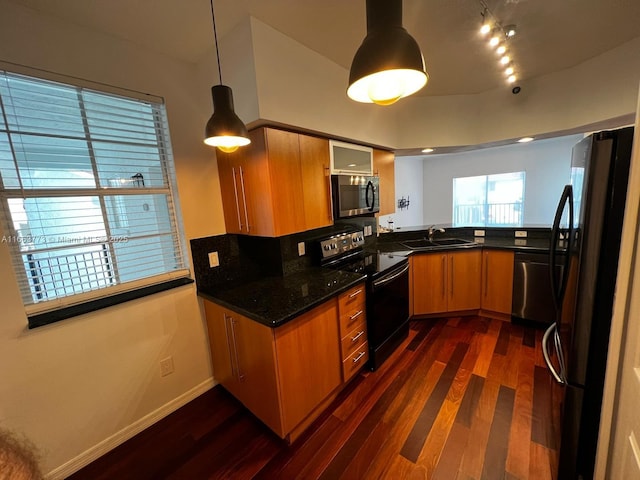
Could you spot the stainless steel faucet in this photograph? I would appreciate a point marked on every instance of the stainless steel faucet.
(432, 229)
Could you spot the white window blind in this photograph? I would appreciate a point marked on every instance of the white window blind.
(86, 186)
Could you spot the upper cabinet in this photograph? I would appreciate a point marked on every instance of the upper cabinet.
(348, 158)
(277, 185)
(383, 166)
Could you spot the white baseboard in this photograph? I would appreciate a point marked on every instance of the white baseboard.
(108, 444)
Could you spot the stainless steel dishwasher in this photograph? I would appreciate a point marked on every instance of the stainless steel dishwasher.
(532, 298)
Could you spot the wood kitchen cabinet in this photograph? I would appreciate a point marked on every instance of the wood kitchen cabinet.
(497, 280)
(283, 374)
(383, 166)
(276, 185)
(445, 282)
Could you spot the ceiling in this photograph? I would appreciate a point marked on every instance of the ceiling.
(552, 34)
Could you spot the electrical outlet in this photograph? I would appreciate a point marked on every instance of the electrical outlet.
(521, 234)
(166, 366)
(478, 233)
(300, 249)
(368, 231)
(214, 261)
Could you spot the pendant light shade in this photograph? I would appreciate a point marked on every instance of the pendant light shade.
(389, 64)
(224, 129)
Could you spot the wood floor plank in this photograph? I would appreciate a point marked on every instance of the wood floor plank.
(470, 401)
(518, 455)
(415, 441)
(473, 457)
(503, 340)
(541, 412)
(449, 462)
(529, 337)
(510, 372)
(540, 466)
(487, 347)
(498, 442)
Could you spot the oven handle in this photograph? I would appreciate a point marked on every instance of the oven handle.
(390, 278)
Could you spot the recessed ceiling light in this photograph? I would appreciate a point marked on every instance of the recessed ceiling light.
(485, 28)
(525, 140)
(494, 41)
(352, 165)
(510, 30)
(504, 60)
(511, 78)
(427, 150)
(501, 49)
(509, 71)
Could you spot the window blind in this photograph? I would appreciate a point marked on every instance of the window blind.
(86, 190)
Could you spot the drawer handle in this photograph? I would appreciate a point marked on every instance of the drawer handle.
(355, 315)
(359, 357)
(355, 339)
(356, 293)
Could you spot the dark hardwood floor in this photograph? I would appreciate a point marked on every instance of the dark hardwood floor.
(462, 398)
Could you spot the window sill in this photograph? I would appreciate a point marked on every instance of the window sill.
(47, 318)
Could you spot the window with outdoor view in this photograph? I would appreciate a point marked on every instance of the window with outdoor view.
(489, 200)
(86, 190)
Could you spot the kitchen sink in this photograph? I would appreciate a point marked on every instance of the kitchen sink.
(424, 243)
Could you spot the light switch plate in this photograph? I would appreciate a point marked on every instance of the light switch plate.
(301, 250)
(521, 234)
(214, 261)
(478, 233)
(368, 230)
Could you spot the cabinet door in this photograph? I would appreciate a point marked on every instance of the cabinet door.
(429, 289)
(309, 362)
(256, 370)
(497, 280)
(285, 173)
(255, 185)
(231, 194)
(316, 184)
(383, 165)
(222, 354)
(464, 280)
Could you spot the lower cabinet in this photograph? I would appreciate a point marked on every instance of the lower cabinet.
(283, 375)
(445, 282)
(354, 347)
(497, 280)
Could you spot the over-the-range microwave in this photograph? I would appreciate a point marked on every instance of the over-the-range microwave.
(355, 195)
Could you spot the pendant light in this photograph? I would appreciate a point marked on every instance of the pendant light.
(224, 129)
(389, 64)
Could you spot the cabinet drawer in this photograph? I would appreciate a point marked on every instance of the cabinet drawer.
(354, 362)
(352, 299)
(349, 319)
(354, 338)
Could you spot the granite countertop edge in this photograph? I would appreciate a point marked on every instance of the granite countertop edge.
(493, 244)
(286, 315)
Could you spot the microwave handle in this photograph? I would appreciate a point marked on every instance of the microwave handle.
(373, 195)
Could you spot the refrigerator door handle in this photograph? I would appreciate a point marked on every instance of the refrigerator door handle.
(545, 352)
(558, 289)
(560, 354)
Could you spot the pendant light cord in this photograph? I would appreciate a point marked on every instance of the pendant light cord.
(215, 39)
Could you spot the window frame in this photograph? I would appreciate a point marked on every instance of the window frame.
(52, 310)
(486, 204)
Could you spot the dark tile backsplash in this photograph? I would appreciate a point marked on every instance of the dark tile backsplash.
(244, 258)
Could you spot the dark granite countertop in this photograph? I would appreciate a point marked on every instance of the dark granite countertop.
(532, 245)
(274, 301)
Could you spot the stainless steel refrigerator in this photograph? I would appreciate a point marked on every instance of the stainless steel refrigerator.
(583, 266)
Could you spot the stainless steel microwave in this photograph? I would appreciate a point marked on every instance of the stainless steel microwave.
(355, 195)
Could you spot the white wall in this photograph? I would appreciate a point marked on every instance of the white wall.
(546, 163)
(408, 183)
(76, 387)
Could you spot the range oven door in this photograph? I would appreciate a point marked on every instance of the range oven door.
(387, 313)
(355, 195)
